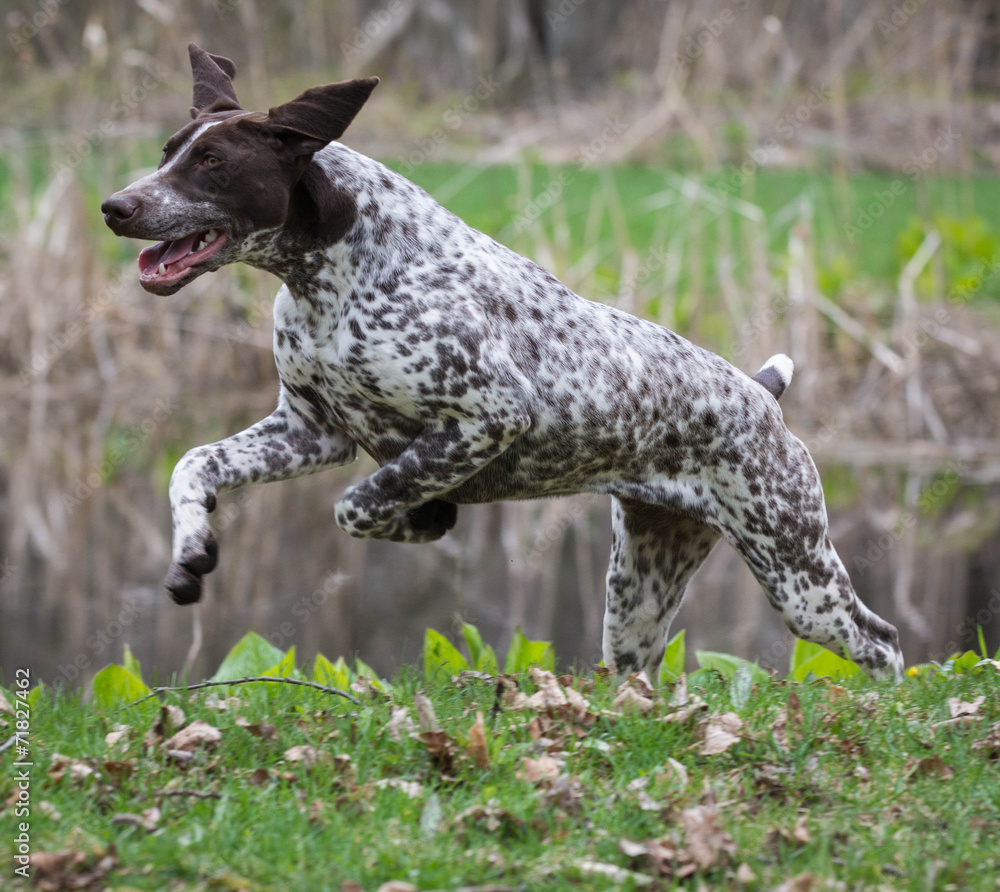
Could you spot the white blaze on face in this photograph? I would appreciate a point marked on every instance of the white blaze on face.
(182, 151)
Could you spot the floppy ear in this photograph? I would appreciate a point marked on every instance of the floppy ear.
(213, 82)
(320, 115)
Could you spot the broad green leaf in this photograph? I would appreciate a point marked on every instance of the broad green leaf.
(251, 655)
(673, 659)
(481, 656)
(335, 675)
(114, 684)
(369, 673)
(442, 659)
(822, 663)
(826, 665)
(726, 665)
(965, 663)
(524, 653)
(35, 693)
(131, 663)
(285, 667)
(803, 652)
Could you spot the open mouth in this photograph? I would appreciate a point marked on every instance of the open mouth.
(168, 262)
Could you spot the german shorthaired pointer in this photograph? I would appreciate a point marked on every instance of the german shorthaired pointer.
(472, 375)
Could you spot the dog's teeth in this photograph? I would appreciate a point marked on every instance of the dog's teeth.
(161, 269)
(211, 236)
(197, 247)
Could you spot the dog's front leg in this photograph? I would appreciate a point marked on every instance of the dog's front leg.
(406, 500)
(281, 446)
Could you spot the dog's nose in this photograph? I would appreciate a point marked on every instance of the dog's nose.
(119, 208)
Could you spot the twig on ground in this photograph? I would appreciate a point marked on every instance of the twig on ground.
(234, 681)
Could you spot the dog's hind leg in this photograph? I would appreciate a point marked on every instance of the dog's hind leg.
(782, 535)
(655, 552)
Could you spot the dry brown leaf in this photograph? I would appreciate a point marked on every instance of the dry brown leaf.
(214, 701)
(929, 766)
(707, 841)
(317, 808)
(721, 732)
(115, 738)
(744, 874)
(648, 803)
(258, 777)
(56, 871)
(990, 743)
(400, 723)
(617, 875)
(555, 700)
(958, 707)
(425, 712)
(800, 833)
(809, 882)
(264, 730)
(541, 769)
(677, 770)
(411, 788)
(478, 748)
(49, 810)
(397, 886)
(197, 734)
(73, 770)
(147, 821)
(5, 703)
(309, 756)
(630, 701)
(680, 694)
(838, 695)
(779, 728)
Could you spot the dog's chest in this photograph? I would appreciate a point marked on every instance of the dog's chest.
(344, 376)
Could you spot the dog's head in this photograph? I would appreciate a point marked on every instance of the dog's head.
(226, 175)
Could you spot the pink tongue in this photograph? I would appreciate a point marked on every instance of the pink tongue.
(178, 249)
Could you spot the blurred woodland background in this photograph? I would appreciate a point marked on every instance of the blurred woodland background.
(815, 177)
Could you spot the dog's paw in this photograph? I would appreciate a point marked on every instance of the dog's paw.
(199, 557)
(431, 520)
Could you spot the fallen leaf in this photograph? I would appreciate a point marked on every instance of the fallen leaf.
(49, 810)
(264, 730)
(489, 817)
(478, 748)
(397, 886)
(400, 723)
(5, 703)
(744, 873)
(258, 777)
(308, 756)
(631, 701)
(617, 875)
(721, 732)
(707, 841)
(648, 803)
(214, 701)
(317, 809)
(800, 833)
(555, 700)
(929, 766)
(147, 821)
(540, 769)
(425, 712)
(411, 788)
(990, 743)
(114, 738)
(197, 734)
(678, 770)
(56, 871)
(958, 707)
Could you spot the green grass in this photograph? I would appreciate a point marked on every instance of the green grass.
(866, 788)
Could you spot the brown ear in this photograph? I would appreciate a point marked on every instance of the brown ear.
(321, 114)
(213, 82)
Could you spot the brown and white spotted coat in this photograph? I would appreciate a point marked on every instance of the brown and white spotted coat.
(472, 375)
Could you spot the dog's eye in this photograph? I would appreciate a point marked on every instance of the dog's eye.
(211, 161)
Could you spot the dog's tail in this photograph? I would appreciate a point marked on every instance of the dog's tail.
(775, 375)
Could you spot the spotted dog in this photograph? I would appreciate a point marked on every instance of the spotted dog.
(471, 375)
